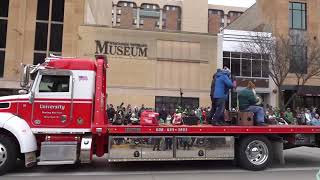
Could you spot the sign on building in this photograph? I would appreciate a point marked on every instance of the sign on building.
(121, 49)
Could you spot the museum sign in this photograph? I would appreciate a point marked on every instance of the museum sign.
(121, 49)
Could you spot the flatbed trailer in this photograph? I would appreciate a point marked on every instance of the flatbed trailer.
(209, 129)
(252, 147)
(62, 119)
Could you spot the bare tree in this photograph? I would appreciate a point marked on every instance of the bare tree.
(277, 51)
(293, 53)
(305, 60)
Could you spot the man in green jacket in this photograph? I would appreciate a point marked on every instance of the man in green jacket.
(247, 102)
(288, 116)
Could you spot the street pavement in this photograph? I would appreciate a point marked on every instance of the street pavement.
(301, 164)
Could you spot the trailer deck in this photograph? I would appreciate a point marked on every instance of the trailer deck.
(209, 129)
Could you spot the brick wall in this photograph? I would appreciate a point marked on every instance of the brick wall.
(214, 23)
(126, 17)
(260, 83)
(172, 19)
(149, 23)
(232, 18)
(233, 15)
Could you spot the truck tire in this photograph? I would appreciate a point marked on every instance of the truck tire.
(8, 153)
(254, 153)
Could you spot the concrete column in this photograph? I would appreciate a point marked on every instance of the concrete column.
(16, 29)
(195, 17)
(114, 15)
(138, 17)
(160, 19)
(98, 12)
(225, 17)
(219, 51)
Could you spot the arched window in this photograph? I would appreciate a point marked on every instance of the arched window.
(150, 16)
(171, 17)
(126, 14)
(232, 15)
(215, 20)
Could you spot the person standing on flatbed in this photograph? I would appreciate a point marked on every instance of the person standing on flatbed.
(213, 107)
(247, 102)
(222, 86)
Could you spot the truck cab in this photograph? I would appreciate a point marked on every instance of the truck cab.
(60, 89)
(58, 105)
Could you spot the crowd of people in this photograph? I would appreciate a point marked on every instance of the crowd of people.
(124, 115)
(298, 116)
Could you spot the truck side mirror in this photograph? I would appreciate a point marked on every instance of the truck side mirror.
(23, 91)
(24, 75)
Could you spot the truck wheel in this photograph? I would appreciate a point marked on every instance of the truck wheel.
(8, 153)
(254, 153)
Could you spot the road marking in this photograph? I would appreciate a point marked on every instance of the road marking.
(120, 173)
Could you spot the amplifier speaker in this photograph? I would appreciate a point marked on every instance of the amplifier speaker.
(245, 119)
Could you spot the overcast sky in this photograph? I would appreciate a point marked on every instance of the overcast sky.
(240, 3)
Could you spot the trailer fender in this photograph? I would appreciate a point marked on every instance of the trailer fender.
(21, 130)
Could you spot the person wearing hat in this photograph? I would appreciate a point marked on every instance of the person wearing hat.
(247, 102)
(220, 93)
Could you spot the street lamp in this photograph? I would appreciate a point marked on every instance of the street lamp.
(181, 93)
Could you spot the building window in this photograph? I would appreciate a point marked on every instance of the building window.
(150, 14)
(298, 62)
(297, 15)
(232, 15)
(215, 20)
(49, 29)
(246, 64)
(125, 15)
(4, 11)
(171, 18)
(171, 103)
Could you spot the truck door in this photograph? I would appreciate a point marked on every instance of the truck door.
(53, 97)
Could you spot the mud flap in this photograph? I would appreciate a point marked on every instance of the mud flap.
(30, 159)
(278, 156)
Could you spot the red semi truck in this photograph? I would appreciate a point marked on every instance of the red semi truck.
(61, 119)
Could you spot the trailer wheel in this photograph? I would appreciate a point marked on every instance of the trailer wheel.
(8, 153)
(254, 153)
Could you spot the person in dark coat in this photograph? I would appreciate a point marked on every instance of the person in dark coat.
(111, 112)
(163, 114)
(222, 86)
(213, 108)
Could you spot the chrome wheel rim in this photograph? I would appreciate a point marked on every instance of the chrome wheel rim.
(3, 154)
(257, 152)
